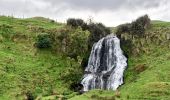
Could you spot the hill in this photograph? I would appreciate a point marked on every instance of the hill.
(25, 71)
(29, 72)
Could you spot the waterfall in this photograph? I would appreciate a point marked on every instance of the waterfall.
(105, 66)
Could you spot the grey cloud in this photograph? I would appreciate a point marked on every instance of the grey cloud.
(97, 5)
(107, 11)
(76, 5)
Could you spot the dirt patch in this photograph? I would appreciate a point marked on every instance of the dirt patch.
(140, 68)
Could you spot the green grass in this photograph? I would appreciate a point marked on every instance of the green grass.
(35, 21)
(158, 23)
(154, 81)
(26, 69)
(96, 95)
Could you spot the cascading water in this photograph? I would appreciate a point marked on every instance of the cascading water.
(105, 66)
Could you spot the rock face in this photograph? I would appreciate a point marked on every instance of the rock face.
(105, 66)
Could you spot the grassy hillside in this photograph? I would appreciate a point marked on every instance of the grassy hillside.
(158, 23)
(148, 74)
(26, 71)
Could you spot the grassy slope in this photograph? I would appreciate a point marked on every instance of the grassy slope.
(148, 75)
(25, 69)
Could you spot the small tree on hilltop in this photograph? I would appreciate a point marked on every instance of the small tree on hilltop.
(144, 21)
(137, 28)
(77, 22)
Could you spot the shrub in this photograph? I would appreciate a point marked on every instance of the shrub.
(97, 31)
(124, 28)
(144, 21)
(43, 41)
(72, 74)
(76, 22)
(78, 40)
(70, 41)
(137, 27)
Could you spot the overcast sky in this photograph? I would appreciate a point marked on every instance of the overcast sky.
(109, 12)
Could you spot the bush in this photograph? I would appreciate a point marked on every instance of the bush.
(97, 31)
(124, 28)
(76, 22)
(144, 21)
(43, 41)
(78, 40)
(72, 74)
(137, 27)
(70, 41)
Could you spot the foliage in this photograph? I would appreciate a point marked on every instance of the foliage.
(79, 41)
(43, 41)
(97, 31)
(76, 23)
(127, 32)
(71, 42)
(72, 74)
(137, 27)
(123, 28)
(144, 21)
(140, 25)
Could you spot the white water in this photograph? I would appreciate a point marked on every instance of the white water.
(105, 66)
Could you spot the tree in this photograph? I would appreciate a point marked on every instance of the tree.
(136, 27)
(76, 22)
(97, 30)
(139, 26)
(144, 21)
